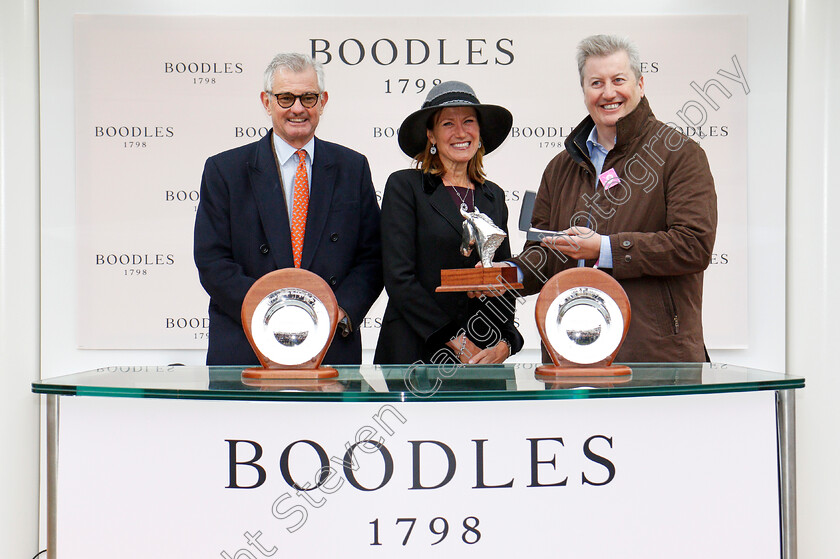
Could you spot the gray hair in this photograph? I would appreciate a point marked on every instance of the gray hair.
(293, 62)
(605, 45)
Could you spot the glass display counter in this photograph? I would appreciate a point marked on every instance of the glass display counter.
(392, 460)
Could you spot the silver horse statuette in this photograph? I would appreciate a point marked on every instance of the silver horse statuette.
(480, 231)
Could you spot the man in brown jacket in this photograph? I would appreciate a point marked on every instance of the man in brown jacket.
(634, 197)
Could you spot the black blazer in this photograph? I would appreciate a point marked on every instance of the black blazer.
(421, 234)
(242, 233)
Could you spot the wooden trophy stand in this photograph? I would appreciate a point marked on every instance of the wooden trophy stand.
(296, 384)
(478, 279)
(553, 382)
(581, 278)
(279, 282)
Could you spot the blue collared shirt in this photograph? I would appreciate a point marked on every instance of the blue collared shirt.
(597, 154)
(288, 167)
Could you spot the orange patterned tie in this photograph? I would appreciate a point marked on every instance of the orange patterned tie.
(299, 207)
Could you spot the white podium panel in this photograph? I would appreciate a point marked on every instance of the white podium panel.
(663, 476)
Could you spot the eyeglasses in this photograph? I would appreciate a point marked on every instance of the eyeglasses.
(286, 100)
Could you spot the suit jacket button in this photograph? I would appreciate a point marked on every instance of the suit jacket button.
(334, 237)
(333, 280)
(628, 258)
(264, 249)
(626, 244)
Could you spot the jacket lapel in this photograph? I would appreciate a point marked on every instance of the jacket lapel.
(271, 204)
(320, 197)
(484, 200)
(440, 200)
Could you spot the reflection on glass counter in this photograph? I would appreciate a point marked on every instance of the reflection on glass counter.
(418, 382)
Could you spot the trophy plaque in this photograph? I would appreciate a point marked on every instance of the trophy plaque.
(289, 317)
(582, 316)
(480, 232)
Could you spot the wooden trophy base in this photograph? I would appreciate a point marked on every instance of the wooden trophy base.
(559, 371)
(478, 279)
(300, 384)
(564, 383)
(260, 373)
(271, 296)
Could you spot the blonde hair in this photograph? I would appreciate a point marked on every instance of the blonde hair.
(605, 45)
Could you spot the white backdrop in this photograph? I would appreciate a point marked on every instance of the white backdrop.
(63, 242)
(151, 110)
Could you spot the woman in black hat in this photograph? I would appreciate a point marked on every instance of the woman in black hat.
(421, 234)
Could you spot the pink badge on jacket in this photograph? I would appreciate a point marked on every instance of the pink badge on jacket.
(609, 179)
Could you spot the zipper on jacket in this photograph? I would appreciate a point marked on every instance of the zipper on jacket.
(673, 308)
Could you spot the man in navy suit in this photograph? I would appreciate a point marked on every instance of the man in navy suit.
(242, 226)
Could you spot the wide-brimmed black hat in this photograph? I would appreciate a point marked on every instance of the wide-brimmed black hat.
(495, 121)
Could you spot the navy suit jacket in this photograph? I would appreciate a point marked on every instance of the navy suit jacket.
(242, 233)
